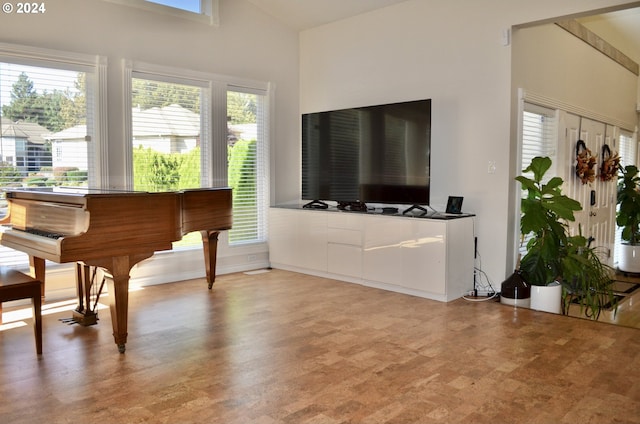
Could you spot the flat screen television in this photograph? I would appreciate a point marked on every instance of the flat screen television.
(371, 154)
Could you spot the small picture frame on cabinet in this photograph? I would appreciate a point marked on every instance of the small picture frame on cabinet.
(454, 204)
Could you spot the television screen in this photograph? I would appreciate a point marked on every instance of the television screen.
(375, 154)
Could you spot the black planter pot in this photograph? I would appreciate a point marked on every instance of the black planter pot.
(515, 291)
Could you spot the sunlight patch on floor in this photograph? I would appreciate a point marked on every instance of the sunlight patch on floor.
(16, 318)
(256, 272)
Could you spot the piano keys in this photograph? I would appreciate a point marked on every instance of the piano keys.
(113, 230)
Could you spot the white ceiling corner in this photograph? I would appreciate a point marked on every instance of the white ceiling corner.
(618, 28)
(305, 14)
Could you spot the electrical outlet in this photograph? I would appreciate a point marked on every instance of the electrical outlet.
(252, 258)
(491, 167)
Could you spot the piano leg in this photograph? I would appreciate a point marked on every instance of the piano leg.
(118, 269)
(210, 248)
(37, 269)
(119, 299)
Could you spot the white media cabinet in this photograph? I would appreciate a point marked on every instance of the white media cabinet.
(427, 257)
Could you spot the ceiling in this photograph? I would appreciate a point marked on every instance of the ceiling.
(305, 14)
(616, 27)
(621, 29)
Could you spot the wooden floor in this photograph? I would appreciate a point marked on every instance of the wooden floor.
(627, 312)
(280, 347)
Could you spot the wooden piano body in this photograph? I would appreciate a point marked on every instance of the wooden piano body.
(113, 230)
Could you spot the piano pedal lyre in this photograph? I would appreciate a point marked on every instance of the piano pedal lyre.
(87, 280)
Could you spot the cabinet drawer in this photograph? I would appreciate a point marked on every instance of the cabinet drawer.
(344, 220)
(343, 236)
(345, 260)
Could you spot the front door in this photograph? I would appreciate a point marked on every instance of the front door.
(597, 197)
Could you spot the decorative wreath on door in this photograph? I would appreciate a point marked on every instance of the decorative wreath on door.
(610, 164)
(585, 163)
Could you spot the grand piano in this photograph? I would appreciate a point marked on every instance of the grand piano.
(111, 230)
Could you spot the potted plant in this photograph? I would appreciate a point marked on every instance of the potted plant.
(555, 261)
(628, 218)
(585, 279)
(545, 211)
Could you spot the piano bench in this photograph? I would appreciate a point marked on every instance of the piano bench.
(15, 285)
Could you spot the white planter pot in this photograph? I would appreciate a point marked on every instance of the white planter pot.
(547, 298)
(629, 258)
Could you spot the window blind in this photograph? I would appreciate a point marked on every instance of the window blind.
(539, 138)
(539, 134)
(167, 137)
(46, 129)
(628, 151)
(247, 172)
(174, 145)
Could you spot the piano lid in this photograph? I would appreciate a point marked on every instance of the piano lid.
(69, 190)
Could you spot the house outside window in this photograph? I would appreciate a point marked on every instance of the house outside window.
(196, 133)
(40, 97)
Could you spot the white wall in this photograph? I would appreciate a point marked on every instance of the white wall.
(248, 44)
(573, 72)
(451, 52)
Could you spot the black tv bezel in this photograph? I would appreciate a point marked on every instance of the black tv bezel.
(407, 193)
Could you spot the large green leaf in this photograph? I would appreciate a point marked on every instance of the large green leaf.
(539, 166)
(533, 218)
(562, 206)
(628, 215)
(551, 187)
(528, 184)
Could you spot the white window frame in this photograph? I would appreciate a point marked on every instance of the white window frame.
(263, 170)
(205, 126)
(549, 149)
(209, 8)
(216, 151)
(214, 148)
(55, 59)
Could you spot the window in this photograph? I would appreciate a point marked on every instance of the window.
(628, 151)
(166, 136)
(247, 171)
(47, 123)
(539, 138)
(193, 6)
(166, 128)
(539, 134)
(196, 132)
(199, 10)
